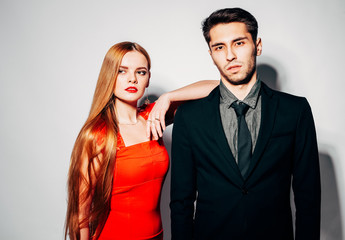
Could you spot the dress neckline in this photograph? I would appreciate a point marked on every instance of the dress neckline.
(144, 112)
(121, 143)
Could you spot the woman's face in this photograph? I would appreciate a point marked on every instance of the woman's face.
(133, 77)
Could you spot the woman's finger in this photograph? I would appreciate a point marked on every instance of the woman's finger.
(162, 120)
(153, 130)
(158, 127)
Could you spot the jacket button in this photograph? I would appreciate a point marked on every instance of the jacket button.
(244, 191)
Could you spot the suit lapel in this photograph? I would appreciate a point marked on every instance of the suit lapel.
(227, 163)
(268, 112)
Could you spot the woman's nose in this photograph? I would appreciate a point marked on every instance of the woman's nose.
(132, 78)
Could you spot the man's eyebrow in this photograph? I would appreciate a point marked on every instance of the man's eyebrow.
(217, 44)
(239, 39)
(234, 40)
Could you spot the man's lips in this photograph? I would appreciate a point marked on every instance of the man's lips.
(234, 68)
(131, 89)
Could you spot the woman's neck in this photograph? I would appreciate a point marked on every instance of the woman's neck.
(126, 113)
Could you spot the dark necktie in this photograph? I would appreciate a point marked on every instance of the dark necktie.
(244, 139)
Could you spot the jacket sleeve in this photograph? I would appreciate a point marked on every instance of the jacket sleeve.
(183, 181)
(306, 177)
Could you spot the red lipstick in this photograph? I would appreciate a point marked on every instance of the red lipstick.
(131, 89)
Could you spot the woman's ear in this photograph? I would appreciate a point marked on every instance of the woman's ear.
(148, 81)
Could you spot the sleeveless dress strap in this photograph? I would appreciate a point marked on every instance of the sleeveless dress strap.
(145, 110)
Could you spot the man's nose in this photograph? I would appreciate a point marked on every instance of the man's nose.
(231, 55)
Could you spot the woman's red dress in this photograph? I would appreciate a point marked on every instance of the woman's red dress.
(139, 173)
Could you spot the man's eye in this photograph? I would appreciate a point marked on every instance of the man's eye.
(219, 48)
(239, 43)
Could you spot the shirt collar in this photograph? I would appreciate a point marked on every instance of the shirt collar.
(226, 96)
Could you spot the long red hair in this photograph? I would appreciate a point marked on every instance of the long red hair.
(92, 164)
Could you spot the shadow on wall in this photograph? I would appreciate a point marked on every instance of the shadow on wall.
(330, 204)
(268, 75)
(165, 196)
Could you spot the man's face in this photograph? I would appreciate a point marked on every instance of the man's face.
(234, 52)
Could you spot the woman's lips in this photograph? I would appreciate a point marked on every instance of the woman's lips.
(131, 89)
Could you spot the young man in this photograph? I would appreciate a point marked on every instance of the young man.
(237, 151)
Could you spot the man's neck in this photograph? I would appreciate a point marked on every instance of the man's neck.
(242, 90)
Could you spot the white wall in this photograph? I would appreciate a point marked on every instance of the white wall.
(50, 57)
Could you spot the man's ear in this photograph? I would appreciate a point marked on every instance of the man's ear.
(258, 47)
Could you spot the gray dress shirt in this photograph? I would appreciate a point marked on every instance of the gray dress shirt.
(229, 118)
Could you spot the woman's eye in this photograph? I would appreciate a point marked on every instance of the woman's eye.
(121, 71)
(142, 72)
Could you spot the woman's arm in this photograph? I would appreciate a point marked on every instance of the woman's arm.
(84, 233)
(164, 110)
(85, 196)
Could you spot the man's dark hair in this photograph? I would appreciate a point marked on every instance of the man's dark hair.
(228, 15)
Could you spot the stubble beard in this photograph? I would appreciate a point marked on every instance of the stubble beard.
(241, 78)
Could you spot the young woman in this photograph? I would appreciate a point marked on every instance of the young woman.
(117, 169)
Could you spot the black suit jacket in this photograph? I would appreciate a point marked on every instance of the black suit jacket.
(256, 206)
